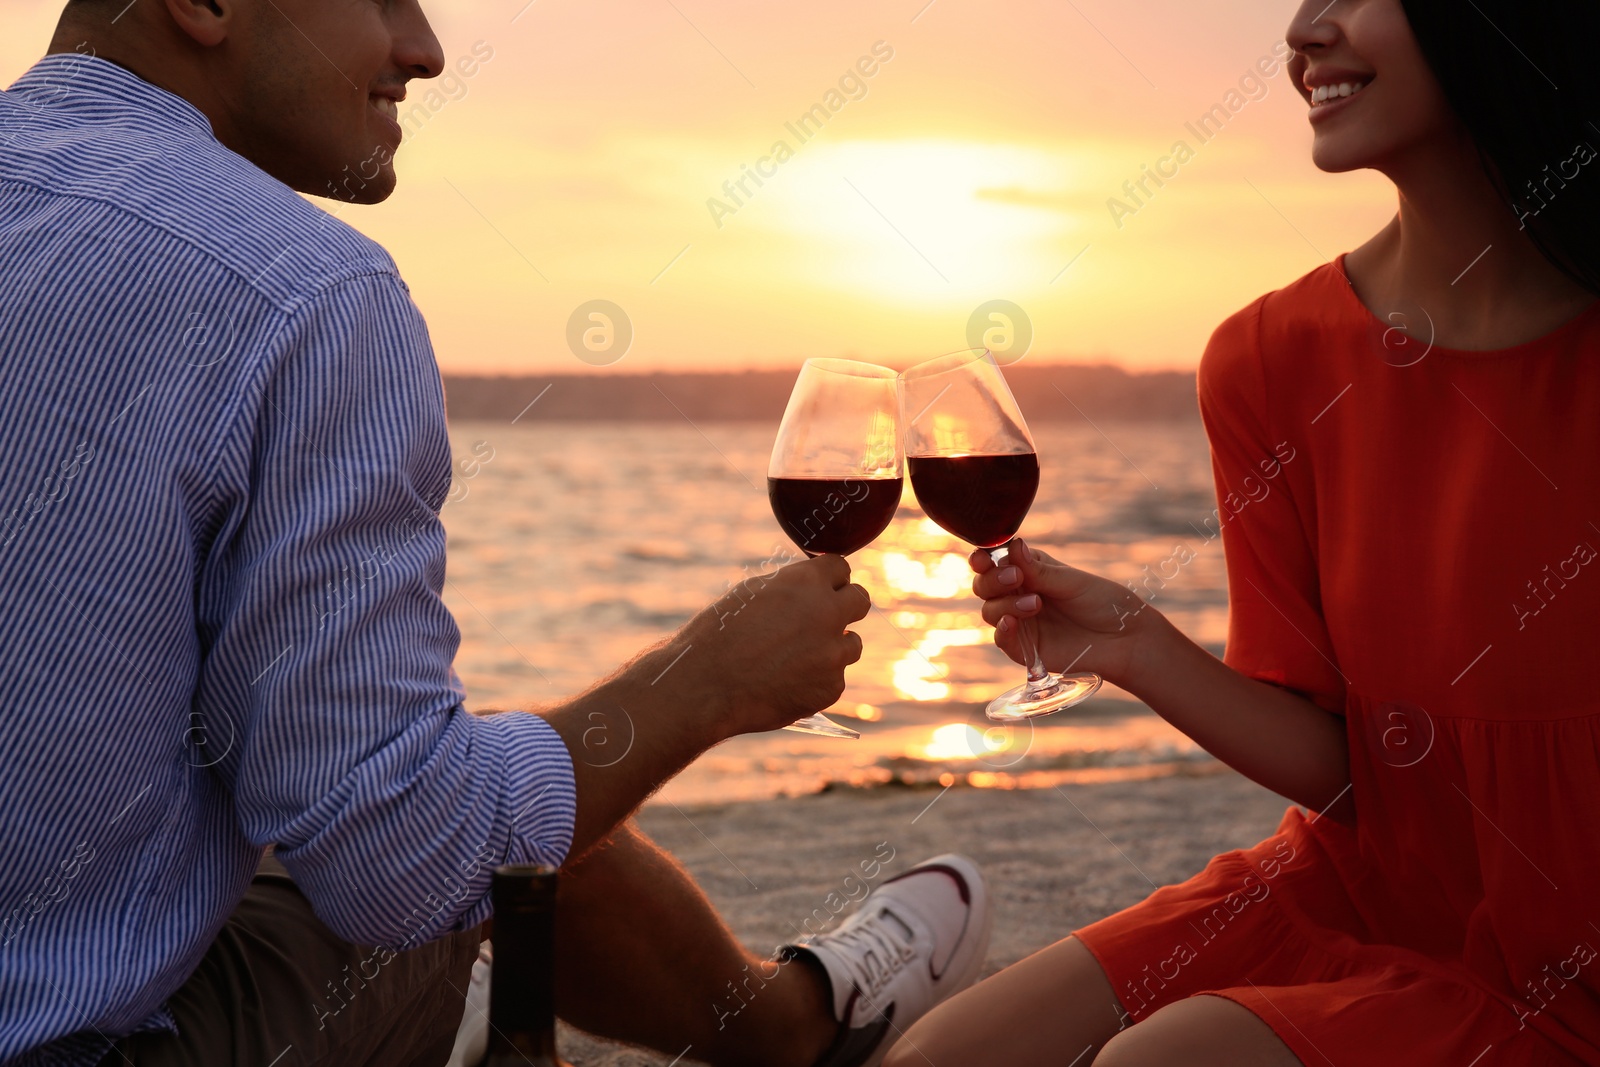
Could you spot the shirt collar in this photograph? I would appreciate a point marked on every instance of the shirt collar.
(69, 80)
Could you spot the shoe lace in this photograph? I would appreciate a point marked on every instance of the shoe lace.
(872, 952)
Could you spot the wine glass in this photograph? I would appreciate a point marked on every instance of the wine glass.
(975, 471)
(837, 468)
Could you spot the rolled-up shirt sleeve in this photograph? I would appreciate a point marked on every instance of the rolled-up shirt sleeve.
(328, 647)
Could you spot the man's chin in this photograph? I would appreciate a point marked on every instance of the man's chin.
(374, 192)
(369, 182)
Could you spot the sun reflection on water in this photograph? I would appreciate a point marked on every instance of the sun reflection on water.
(868, 713)
(922, 566)
(941, 577)
(917, 677)
(957, 740)
(941, 753)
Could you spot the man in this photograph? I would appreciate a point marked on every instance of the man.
(219, 403)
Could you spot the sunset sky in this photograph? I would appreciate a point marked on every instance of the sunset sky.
(975, 164)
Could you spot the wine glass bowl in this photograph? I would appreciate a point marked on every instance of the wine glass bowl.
(981, 499)
(975, 471)
(837, 468)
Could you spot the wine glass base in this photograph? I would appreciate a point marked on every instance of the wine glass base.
(822, 726)
(1029, 701)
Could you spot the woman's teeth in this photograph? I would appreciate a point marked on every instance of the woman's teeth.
(1323, 93)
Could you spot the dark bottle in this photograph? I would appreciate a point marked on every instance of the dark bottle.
(522, 985)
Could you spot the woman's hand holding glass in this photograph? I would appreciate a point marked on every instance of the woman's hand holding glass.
(1080, 619)
(975, 471)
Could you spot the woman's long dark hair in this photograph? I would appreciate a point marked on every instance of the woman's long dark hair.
(1520, 74)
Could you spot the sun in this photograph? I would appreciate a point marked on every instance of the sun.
(914, 220)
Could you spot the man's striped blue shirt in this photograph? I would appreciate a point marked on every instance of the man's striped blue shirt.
(222, 457)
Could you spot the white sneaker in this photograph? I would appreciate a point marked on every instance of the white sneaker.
(919, 938)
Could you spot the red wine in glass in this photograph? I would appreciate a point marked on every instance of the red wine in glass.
(839, 515)
(980, 499)
(975, 471)
(837, 468)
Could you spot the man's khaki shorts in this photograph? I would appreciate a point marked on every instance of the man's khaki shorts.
(279, 989)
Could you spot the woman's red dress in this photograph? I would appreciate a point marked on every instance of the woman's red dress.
(1413, 541)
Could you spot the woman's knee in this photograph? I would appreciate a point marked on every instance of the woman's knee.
(1202, 1031)
(1026, 1014)
(903, 1054)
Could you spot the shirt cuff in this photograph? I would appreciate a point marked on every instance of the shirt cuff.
(541, 794)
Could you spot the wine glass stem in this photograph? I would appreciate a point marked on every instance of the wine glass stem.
(1028, 634)
(1027, 631)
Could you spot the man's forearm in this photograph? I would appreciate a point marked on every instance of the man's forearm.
(631, 733)
(1272, 736)
(768, 652)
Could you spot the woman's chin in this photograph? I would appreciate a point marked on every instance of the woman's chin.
(1334, 158)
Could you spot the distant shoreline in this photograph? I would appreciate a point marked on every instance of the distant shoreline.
(1047, 393)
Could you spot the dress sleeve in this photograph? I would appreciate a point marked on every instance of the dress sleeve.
(1276, 630)
(328, 648)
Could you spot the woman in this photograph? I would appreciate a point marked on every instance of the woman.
(1404, 443)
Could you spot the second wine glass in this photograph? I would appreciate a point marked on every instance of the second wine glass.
(975, 471)
(837, 468)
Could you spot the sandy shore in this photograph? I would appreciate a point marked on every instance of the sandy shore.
(1055, 860)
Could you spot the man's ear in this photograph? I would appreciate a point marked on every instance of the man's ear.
(206, 21)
